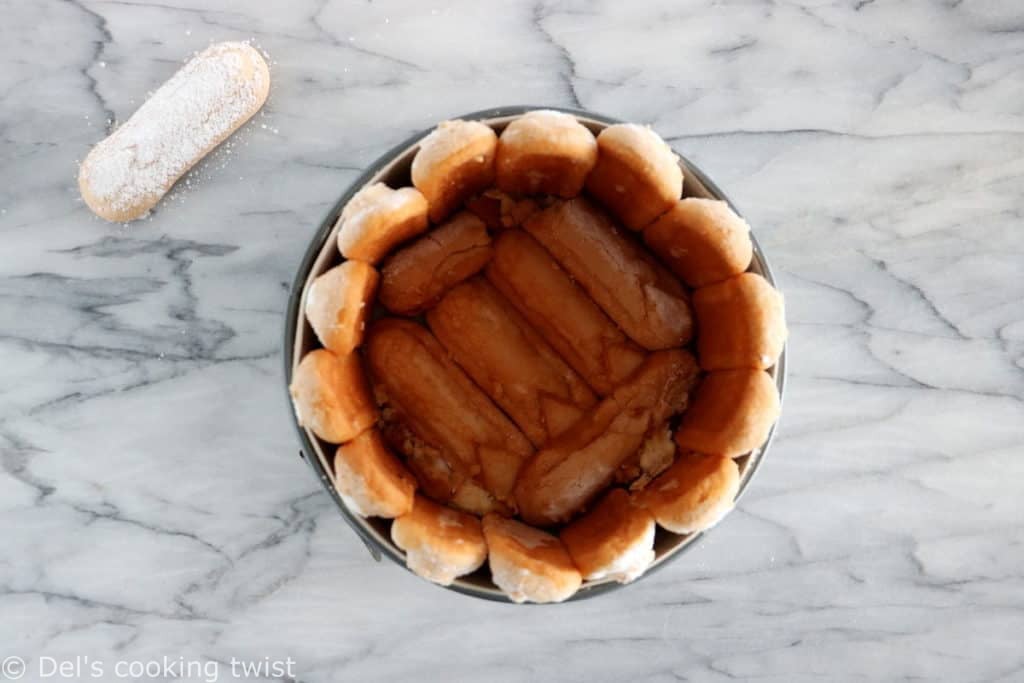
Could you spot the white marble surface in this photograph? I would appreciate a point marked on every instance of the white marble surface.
(151, 500)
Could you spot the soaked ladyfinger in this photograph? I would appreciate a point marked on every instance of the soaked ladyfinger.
(415, 277)
(636, 291)
(561, 312)
(561, 478)
(442, 405)
(509, 360)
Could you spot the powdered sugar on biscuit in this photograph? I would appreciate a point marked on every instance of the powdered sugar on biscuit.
(199, 106)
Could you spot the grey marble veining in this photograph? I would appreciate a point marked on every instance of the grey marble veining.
(151, 500)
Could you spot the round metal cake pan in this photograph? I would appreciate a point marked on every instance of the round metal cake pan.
(322, 254)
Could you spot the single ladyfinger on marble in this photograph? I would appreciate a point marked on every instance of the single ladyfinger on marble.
(702, 240)
(331, 396)
(564, 476)
(440, 544)
(694, 494)
(509, 360)
(527, 563)
(637, 176)
(377, 219)
(731, 413)
(338, 303)
(454, 162)
(637, 292)
(370, 479)
(614, 540)
(742, 322)
(561, 312)
(414, 278)
(442, 405)
(126, 174)
(545, 152)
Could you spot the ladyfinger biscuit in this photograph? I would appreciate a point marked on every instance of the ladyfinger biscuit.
(454, 162)
(742, 323)
(545, 152)
(440, 544)
(528, 564)
(702, 241)
(370, 479)
(441, 404)
(125, 175)
(338, 303)
(414, 278)
(330, 396)
(730, 414)
(438, 474)
(509, 360)
(561, 312)
(561, 478)
(637, 176)
(694, 494)
(441, 475)
(615, 540)
(377, 219)
(638, 293)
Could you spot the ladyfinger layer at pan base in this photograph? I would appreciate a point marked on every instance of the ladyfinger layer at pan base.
(126, 174)
(532, 357)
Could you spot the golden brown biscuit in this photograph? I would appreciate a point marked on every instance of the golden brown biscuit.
(694, 494)
(528, 564)
(637, 176)
(414, 278)
(330, 396)
(637, 292)
(730, 414)
(454, 162)
(561, 312)
(545, 152)
(440, 544)
(442, 406)
(742, 323)
(338, 303)
(371, 480)
(378, 218)
(561, 478)
(126, 174)
(441, 475)
(702, 241)
(615, 540)
(509, 360)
